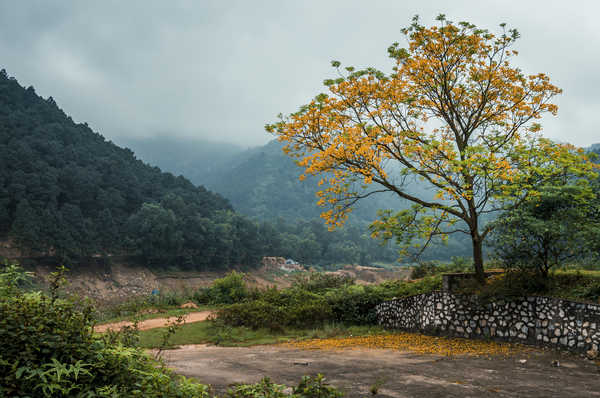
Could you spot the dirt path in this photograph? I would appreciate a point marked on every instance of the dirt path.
(402, 374)
(153, 323)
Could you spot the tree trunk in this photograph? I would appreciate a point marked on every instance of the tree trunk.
(478, 258)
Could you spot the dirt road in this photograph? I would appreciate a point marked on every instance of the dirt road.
(153, 323)
(402, 374)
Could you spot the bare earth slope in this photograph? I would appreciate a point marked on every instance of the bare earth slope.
(121, 281)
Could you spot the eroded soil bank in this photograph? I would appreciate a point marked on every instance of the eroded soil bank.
(401, 374)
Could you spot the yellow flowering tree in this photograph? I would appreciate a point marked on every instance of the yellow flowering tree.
(453, 113)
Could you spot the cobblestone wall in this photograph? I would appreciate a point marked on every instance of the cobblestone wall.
(532, 320)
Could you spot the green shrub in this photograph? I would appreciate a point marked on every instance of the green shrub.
(13, 279)
(355, 304)
(308, 314)
(309, 387)
(423, 269)
(316, 387)
(253, 314)
(318, 282)
(39, 329)
(577, 286)
(509, 285)
(259, 314)
(300, 308)
(432, 268)
(399, 288)
(227, 290)
(49, 350)
(263, 389)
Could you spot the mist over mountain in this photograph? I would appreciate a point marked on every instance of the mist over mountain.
(260, 182)
(195, 159)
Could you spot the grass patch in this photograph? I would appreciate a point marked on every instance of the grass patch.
(214, 332)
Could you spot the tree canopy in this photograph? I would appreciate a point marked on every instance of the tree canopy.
(561, 224)
(453, 113)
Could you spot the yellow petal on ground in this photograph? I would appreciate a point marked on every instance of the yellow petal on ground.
(418, 343)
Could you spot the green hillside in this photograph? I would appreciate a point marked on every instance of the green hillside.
(67, 192)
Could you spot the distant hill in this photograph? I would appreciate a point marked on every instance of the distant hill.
(263, 183)
(67, 192)
(260, 182)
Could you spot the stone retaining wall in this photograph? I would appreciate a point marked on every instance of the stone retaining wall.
(532, 320)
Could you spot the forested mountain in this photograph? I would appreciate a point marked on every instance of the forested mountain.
(66, 191)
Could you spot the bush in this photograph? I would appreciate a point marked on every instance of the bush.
(254, 314)
(49, 350)
(316, 387)
(355, 304)
(431, 268)
(576, 286)
(300, 308)
(512, 284)
(423, 269)
(263, 389)
(309, 387)
(259, 314)
(227, 290)
(318, 282)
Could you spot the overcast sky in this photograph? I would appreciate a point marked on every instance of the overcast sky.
(220, 70)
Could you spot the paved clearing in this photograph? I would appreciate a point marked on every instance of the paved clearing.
(403, 374)
(153, 323)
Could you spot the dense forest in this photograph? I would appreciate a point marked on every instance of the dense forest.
(67, 192)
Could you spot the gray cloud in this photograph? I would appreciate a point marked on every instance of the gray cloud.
(220, 70)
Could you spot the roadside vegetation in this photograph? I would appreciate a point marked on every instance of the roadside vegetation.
(313, 300)
(326, 306)
(317, 305)
(53, 352)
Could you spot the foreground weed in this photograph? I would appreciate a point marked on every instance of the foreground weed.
(172, 327)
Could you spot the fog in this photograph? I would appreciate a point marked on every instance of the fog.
(215, 70)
